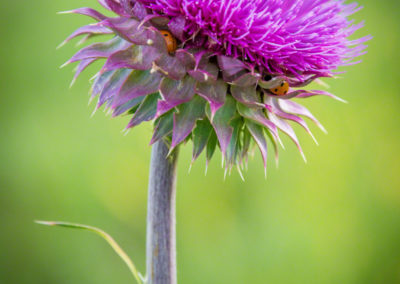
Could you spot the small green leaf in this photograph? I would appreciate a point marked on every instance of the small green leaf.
(246, 142)
(201, 134)
(163, 127)
(258, 134)
(185, 119)
(234, 144)
(146, 110)
(221, 120)
(106, 237)
(211, 145)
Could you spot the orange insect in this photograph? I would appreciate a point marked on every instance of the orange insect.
(280, 90)
(169, 40)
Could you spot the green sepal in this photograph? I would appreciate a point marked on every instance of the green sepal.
(146, 110)
(234, 146)
(257, 133)
(201, 135)
(246, 143)
(163, 126)
(211, 145)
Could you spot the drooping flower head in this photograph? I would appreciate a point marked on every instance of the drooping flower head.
(219, 72)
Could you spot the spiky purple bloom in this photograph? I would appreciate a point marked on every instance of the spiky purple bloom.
(217, 87)
(282, 36)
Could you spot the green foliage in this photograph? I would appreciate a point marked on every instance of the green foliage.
(118, 250)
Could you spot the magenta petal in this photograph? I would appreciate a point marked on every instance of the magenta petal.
(140, 57)
(214, 93)
(174, 93)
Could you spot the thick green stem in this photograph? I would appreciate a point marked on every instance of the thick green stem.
(161, 232)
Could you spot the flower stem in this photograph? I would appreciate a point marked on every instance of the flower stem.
(161, 232)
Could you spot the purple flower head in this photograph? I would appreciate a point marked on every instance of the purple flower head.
(217, 72)
(282, 36)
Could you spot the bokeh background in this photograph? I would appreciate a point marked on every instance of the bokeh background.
(335, 219)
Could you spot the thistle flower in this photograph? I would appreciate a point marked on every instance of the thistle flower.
(217, 72)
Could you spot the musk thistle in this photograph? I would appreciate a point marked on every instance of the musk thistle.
(218, 72)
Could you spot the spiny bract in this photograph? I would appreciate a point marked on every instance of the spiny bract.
(217, 86)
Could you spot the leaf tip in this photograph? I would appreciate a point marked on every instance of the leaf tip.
(45, 223)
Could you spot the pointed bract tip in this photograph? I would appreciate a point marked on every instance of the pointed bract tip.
(65, 64)
(240, 172)
(322, 83)
(171, 149)
(65, 12)
(313, 138)
(320, 126)
(125, 131)
(303, 156)
(94, 77)
(82, 40)
(281, 143)
(72, 83)
(277, 162)
(94, 111)
(46, 223)
(90, 100)
(61, 45)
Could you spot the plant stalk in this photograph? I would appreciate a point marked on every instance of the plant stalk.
(161, 230)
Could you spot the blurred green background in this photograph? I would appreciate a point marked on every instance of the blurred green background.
(335, 219)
